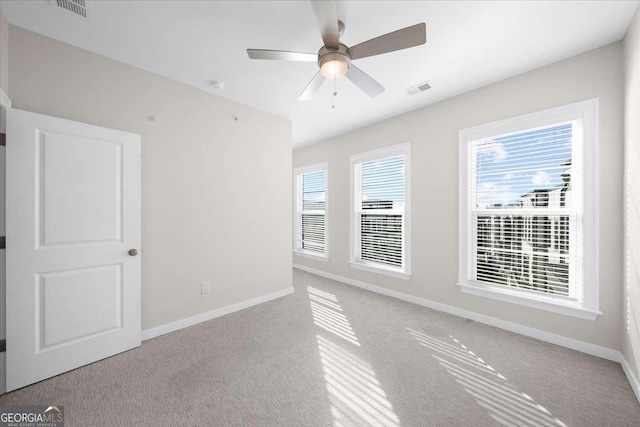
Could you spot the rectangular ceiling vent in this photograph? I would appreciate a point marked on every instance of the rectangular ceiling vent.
(418, 88)
(79, 7)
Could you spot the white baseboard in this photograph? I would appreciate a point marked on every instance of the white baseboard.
(203, 317)
(592, 349)
(180, 324)
(635, 384)
(584, 347)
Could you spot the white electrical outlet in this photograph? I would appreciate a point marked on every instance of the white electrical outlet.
(205, 287)
(380, 279)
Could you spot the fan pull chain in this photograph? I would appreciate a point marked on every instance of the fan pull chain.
(335, 93)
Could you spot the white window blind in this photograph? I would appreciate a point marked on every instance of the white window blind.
(311, 192)
(380, 200)
(525, 207)
(528, 217)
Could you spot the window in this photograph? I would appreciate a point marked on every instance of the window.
(380, 225)
(528, 210)
(310, 211)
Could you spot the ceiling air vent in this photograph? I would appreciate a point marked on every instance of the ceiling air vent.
(418, 88)
(79, 7)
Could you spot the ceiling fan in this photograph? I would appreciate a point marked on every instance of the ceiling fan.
(335, 59)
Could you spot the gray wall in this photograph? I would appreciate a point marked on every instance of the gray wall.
(433, 133)
(631, 306)
(216, 201)
(4, 52)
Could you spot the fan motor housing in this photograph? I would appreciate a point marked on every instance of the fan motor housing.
(341, 55)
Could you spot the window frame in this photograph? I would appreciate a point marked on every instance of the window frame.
(354, 222)
(297, 214)
(585, 305)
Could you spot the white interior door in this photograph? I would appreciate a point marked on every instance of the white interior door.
(73, 214)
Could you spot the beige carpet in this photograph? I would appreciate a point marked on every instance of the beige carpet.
(334, 355)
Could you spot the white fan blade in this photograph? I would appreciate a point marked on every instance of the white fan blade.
(282, 55)
(327, 18)
(364, 81)
(309, 92)
(397, 40)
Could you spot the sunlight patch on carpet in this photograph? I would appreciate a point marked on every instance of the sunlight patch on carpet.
(356, 396)
(327, 314)
(491, 390)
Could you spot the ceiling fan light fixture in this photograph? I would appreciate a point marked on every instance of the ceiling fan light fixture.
(334, 58)
(334, 66)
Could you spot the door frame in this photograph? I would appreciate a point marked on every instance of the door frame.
(5, 104)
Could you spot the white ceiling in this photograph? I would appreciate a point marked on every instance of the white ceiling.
(469, 44)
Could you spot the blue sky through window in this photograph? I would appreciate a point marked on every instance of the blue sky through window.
(383, 180)
(313, 190)
(511, 166)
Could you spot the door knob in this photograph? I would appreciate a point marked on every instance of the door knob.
(133, 252)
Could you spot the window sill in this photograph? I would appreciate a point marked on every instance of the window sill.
(311, 255)
(381, 270)
(533, 301)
